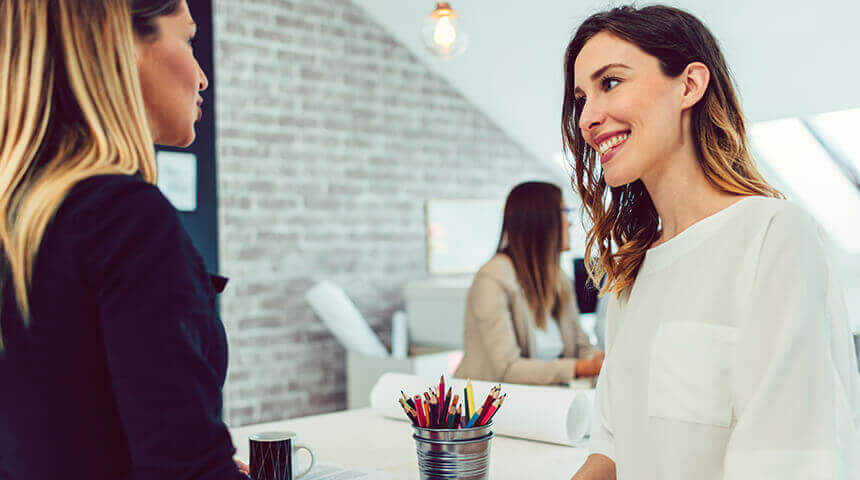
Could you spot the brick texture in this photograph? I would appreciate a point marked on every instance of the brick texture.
(331, 137)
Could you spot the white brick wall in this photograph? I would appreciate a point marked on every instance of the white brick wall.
(331, 136)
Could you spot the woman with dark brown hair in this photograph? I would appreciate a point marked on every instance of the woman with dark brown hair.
(521, 323)
(728, 349)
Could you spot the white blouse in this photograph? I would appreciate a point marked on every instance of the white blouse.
(548, 343)
(732, 357)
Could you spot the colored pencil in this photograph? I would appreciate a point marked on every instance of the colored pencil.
(408, 411)
(441, 397)
(434, 411)
(498, 404)
(448, 402)
(471, 422)
(452, 415)
(469, 399)
(408, 400)
(452, 402)
(489, 413)
(492, 397)
(422, 420)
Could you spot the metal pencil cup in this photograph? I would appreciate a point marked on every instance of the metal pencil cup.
(454, 454)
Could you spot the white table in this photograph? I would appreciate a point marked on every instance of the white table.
(360, 438)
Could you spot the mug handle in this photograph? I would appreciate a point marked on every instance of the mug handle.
(300, 446)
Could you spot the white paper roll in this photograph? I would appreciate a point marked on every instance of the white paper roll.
(345, 322)
(549, 414)
(399, 335)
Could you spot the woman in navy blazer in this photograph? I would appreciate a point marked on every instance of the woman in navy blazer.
(113, 356)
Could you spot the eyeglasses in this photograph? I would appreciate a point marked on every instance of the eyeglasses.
(569, 213)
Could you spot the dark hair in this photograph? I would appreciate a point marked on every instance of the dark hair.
(145, 12)
(531, 236)
(676, 39)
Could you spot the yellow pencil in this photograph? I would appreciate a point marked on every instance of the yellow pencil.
(470, 398)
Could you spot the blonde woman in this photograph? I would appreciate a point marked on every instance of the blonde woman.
(728, 349)
(112, 356)
(521, 321)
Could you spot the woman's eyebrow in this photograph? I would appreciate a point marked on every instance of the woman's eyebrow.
(597, 73)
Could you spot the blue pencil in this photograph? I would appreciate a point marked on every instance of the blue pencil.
(471, 422)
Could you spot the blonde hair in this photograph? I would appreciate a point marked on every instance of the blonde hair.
(72, 108)
(622, 231)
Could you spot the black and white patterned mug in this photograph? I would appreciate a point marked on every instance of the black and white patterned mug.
(273, 456)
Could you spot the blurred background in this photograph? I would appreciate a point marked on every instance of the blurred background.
(335, 146)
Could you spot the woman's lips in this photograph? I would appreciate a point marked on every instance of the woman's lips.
(612, 152)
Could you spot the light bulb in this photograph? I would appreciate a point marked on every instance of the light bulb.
(444, 34)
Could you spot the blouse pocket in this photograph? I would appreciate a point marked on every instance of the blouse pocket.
(690, 373)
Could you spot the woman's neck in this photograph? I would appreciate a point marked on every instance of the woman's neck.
(682, 194)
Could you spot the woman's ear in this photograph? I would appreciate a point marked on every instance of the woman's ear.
(695, 79)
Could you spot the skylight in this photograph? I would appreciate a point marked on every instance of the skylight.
(815, 181)
(839, 130)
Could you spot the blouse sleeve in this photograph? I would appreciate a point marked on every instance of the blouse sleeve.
(795, 417)
(160, 334)
(488, 303)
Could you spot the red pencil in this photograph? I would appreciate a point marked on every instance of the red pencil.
(490, 412)
(490, 399)
(441, 396)
(422, 422)
(500, 401)
(494, 394)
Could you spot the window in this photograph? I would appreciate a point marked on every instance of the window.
(792, 151)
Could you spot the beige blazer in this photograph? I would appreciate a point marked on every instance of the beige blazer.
(499, 333)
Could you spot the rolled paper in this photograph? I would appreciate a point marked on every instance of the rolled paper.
(549, 414)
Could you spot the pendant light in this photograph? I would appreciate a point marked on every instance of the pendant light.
(442, 32)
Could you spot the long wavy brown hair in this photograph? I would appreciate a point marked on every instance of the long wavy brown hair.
(531, 237)
(623, 220)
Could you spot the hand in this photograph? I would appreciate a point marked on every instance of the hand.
(589, 367)
(242, 467)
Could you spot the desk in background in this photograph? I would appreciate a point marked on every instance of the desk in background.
(360, 438)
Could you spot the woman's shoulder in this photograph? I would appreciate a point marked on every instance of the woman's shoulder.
(104, 197)
(102, 191)
(766, 210)
(104, 210)
(775, 217)
(500, 268)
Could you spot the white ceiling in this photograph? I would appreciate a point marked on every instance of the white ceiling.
(789, 57)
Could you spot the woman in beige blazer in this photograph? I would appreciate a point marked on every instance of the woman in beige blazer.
(508, 336)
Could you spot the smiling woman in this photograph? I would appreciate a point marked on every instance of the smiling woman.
(621, 80)
(729, 352)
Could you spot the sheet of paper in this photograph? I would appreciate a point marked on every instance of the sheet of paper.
(559, 415)
(329, 471)
(177, 179)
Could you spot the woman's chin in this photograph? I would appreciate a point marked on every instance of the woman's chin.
(179, 141)
(614, 178)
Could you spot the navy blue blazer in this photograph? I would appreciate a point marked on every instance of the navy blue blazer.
(119, 374)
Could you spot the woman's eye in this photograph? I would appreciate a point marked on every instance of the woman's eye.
(609, 83)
